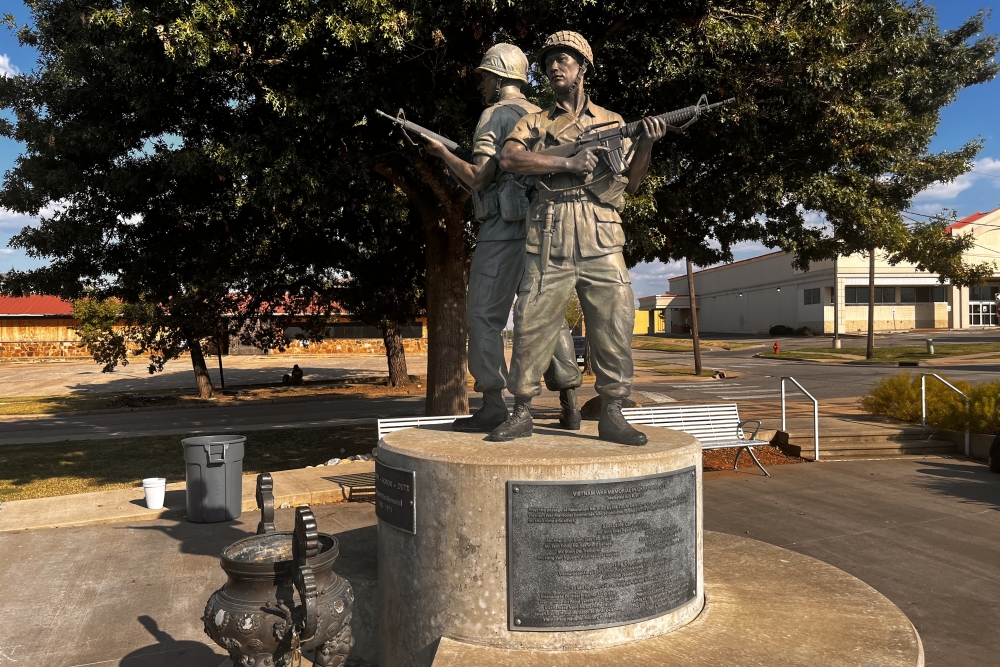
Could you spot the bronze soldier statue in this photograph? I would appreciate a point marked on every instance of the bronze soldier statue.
(500, 200)
(574, 240)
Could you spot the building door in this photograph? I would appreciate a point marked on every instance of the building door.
(983, 306)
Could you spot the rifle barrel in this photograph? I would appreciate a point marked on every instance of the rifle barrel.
(422, 131)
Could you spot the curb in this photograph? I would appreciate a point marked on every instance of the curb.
(304, 486)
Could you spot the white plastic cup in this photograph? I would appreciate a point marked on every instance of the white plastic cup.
(154, 487)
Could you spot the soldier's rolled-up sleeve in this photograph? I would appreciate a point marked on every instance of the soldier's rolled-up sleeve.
(523, 132)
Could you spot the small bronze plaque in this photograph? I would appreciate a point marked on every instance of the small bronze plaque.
(585, 555)
(395, 499)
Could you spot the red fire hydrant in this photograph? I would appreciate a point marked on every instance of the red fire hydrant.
(777, 348)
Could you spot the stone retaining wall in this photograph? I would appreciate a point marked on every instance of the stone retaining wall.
(347, 346)
(31, 349)
(66, 349)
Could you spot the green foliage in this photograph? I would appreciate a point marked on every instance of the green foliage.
(898, 397)
(574, 312)
(781, 330)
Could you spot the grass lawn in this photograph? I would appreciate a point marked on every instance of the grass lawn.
(901, 353)
(356, 388)
(669, 344)
(81, 466)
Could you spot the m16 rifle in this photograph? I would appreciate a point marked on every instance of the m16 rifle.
(613, 139)
(399, 119)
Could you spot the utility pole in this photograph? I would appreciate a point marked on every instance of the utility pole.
(870, 349)
(836, 307)
(694, 321)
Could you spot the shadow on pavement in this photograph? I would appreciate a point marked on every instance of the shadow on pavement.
(973, 483)
(169, 652)
(203, 539)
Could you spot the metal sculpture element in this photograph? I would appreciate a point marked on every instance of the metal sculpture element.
(265, 503)
(305, 545)
(256, 617)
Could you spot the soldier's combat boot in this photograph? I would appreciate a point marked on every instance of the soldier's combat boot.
(569, 415)
(613, 427)
(492, 414)
(519, 424)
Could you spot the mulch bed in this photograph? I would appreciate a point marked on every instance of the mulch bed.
(722, 459)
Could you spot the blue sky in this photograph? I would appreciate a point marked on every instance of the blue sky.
(973, 115)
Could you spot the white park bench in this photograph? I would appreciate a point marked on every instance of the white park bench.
(717, 426)
(399, 423)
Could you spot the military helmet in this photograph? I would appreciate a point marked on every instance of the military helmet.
(506, 61)
(569, 40)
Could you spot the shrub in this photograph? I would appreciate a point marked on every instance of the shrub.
(898, 397)
(804, 331)
(780, 330)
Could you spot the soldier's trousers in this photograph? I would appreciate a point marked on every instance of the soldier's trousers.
(605, 292)
(497, 267)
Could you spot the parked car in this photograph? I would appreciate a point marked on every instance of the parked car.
(580, 347)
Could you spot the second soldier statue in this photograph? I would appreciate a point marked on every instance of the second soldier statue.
(500, 200)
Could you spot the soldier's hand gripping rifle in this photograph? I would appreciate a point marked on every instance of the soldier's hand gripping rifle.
(613, 139)
(399, 119)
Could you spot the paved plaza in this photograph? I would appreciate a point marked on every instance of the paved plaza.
(920, 531)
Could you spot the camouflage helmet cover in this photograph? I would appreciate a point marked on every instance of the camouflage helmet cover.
(506, 61)
(569, 40)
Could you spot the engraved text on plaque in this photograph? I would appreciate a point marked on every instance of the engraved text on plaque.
(600, 553)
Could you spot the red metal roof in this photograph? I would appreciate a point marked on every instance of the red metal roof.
(969, 220)
(34, 305)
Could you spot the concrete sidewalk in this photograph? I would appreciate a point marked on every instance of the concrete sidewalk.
(922, 532)
(307, 486)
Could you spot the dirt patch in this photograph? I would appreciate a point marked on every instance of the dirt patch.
(722, 459)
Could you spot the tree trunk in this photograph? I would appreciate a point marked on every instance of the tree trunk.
(694, 321)
(222, 374)
(870, 349)
(395, 355)
(447, 331)
(588, 367)
(200, 368)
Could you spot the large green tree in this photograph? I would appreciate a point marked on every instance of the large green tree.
(212, 143)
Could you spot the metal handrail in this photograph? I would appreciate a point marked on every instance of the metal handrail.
(815, 413)
(923, 403)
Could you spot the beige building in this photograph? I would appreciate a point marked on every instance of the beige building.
(753, 295)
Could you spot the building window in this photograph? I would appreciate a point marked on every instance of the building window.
(885, 295)
(923, 294)
(983, 293)
(859, 295)
(855, 295)
(810, 296)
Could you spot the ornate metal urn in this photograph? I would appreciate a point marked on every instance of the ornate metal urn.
(282, 596)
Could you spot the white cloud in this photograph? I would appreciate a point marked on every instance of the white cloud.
(6, 251)
(983, 170)
(12, 222)
(654, 277)
(6, 67)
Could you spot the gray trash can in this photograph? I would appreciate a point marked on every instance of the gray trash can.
(214, 474)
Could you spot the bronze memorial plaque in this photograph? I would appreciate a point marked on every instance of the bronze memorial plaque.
(596, 554)
(395, 498)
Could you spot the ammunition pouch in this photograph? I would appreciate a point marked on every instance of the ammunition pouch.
(485, 204)
(513, 200)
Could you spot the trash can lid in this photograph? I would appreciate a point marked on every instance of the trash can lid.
(202, 440)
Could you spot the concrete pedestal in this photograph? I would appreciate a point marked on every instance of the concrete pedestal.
(449, 579)
(764, 607)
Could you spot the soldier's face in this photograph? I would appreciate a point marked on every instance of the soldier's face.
(562, 69)
(488, 86)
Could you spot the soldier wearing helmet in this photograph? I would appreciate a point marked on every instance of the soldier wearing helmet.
(578, 199)
(500, 201)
